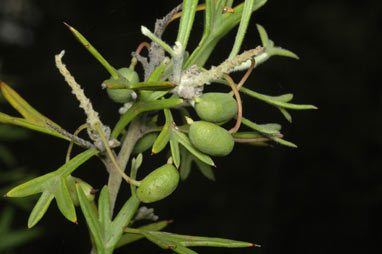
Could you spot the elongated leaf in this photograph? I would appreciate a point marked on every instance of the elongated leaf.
(4, 118)
(76, 161)
(286, 114)
(64, 202)
(178, 243)
(278, 51)
(205, 169)
(283, 142)
(245, 17)
(184, 140)
(91, 217)
(186, 21)
(140, 107)
(165, 134)
(93, 51)
(31, 187)
(122, 219)
(158, 240)
(186, 163)
(263, 35)
(104, 211)
(276, 102)
(22, 106)
(40, 208)
(257, 127)
(150, 86)
(130, 236)
(174, 146)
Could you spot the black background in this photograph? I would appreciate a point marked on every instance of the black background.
(323, 197)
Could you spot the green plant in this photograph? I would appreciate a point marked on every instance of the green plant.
(173, 81)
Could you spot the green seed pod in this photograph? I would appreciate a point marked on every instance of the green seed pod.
(215, 107)
(210, 138)
(145, 142)
(87, 188)
(124, 95)
(158, 184)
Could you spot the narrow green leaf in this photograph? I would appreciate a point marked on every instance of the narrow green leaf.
(128, 238)
(22, 106)
(76, 161)
(205, 169)
(104, 211)
(122, 219)
(187, 240)
(283, 98)
(93, 51)
(145, 31)
(156, 75)
(258, 127)
(263, 35)
(40, 208)
(91, 218)
(248, 135)
(283, 142)
(4, 118)
(174, 146)
(186, 21)
(286, 114)
(278, 51)
(165, 134)
(275, 102)
(186, 163)
(163, 243)
(184, 140)
(148, 85)
(64, 202)
(31, 187)
(245, 18)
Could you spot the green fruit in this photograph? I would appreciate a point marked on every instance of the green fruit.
(87, 188)
(215, 107)
(124, 95)
(145, 142)
(158, 184)
(210, 138)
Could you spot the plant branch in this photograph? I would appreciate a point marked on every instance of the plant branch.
(135, 131)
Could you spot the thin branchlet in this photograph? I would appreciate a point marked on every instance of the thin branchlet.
(156, 52)
(74, 138)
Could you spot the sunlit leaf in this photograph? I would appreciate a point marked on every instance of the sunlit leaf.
(40, 208)
(174, 146)
(64, 201)
(91, 218)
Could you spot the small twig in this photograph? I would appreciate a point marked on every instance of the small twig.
(74, 138)
(141, 46)
(113, 158)
(239, 104)
(161, 24)
(251, 140)
(70, 147)
(246, 75)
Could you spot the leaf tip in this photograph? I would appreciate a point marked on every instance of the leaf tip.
(70, 27)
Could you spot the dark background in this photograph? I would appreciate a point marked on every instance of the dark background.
(324, 197)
